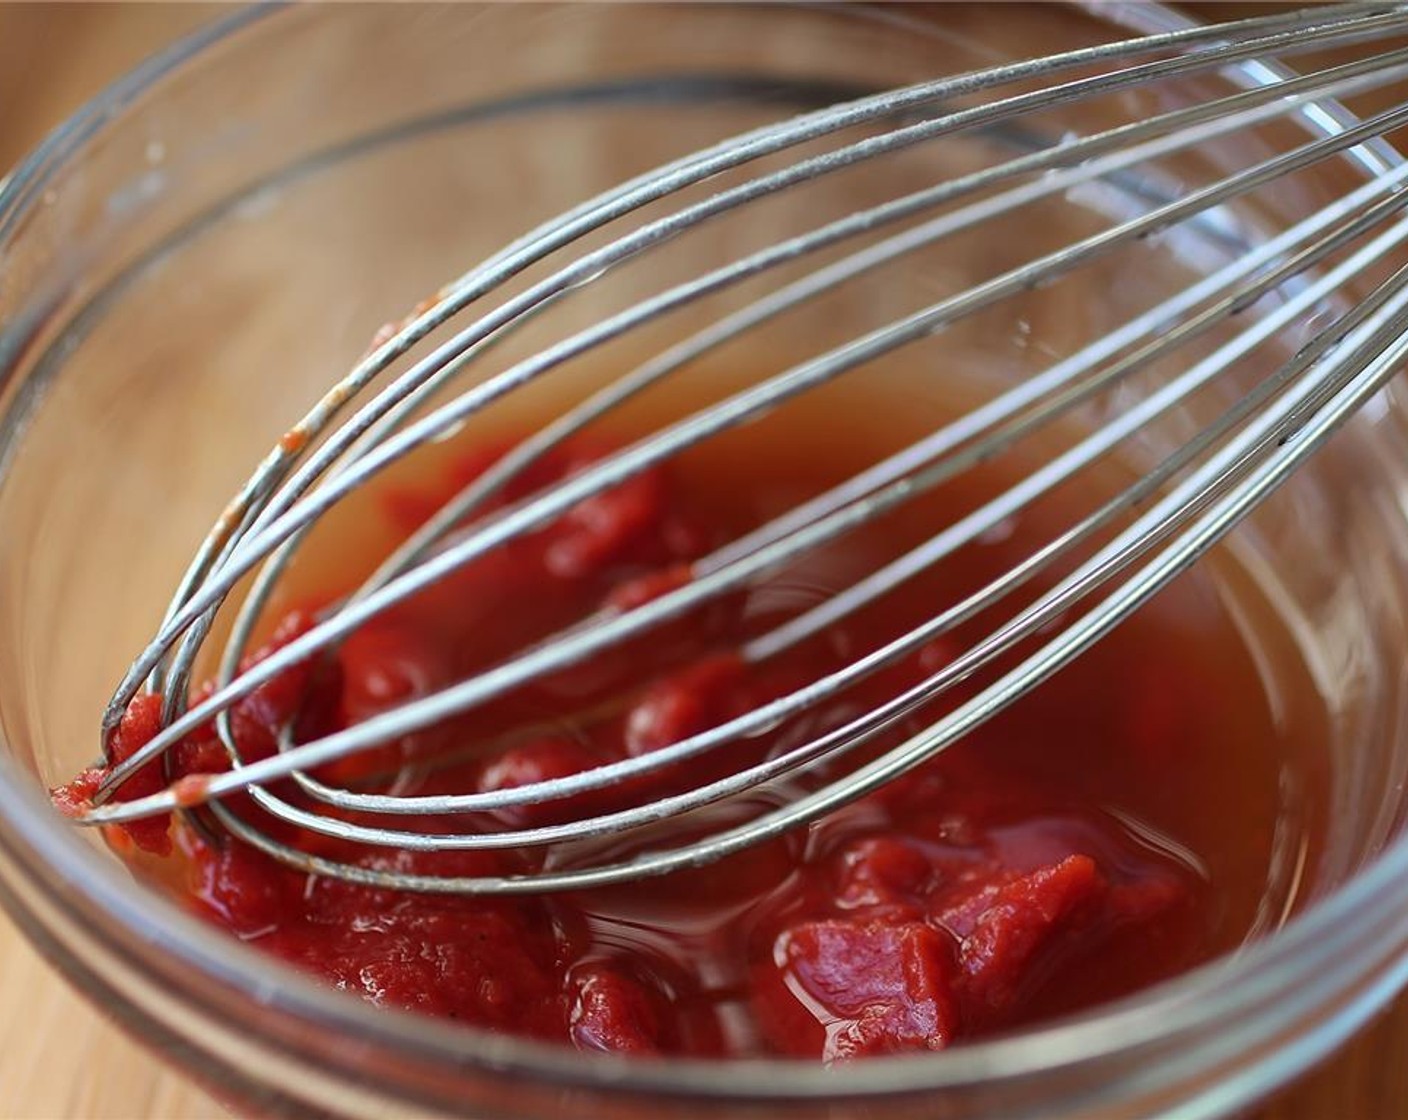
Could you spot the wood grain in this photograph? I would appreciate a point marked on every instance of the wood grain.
(58, 1056)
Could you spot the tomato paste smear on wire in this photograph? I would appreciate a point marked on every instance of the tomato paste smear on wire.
(972, 896)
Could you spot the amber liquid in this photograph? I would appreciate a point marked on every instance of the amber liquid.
(1191, 734)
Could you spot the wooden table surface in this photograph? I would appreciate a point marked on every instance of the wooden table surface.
(58, 1057)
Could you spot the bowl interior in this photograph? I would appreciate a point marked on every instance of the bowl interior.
(222, 251)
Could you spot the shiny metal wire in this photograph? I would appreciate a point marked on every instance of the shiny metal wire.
(1180, 508)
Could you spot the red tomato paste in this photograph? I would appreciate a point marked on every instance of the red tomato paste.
(1071, 851)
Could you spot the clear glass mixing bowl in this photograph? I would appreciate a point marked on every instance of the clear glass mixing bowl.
(188, 261)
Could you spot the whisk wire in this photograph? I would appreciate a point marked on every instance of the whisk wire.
(309, 755)
(535, 512)
(1351, 78)
(992, 513)
(1175, 512)
(1369, 364)
(402, 393)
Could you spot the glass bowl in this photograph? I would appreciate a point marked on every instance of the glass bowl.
(184, 266)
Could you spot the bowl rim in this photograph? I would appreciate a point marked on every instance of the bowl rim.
(55, 862)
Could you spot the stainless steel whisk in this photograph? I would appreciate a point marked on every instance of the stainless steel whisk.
(1178, 509)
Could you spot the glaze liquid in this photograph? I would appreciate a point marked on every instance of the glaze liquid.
(1167, 755)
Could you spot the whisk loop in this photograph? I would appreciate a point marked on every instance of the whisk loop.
(1111, 560)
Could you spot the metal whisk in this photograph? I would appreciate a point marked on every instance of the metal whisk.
(1176, 511)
